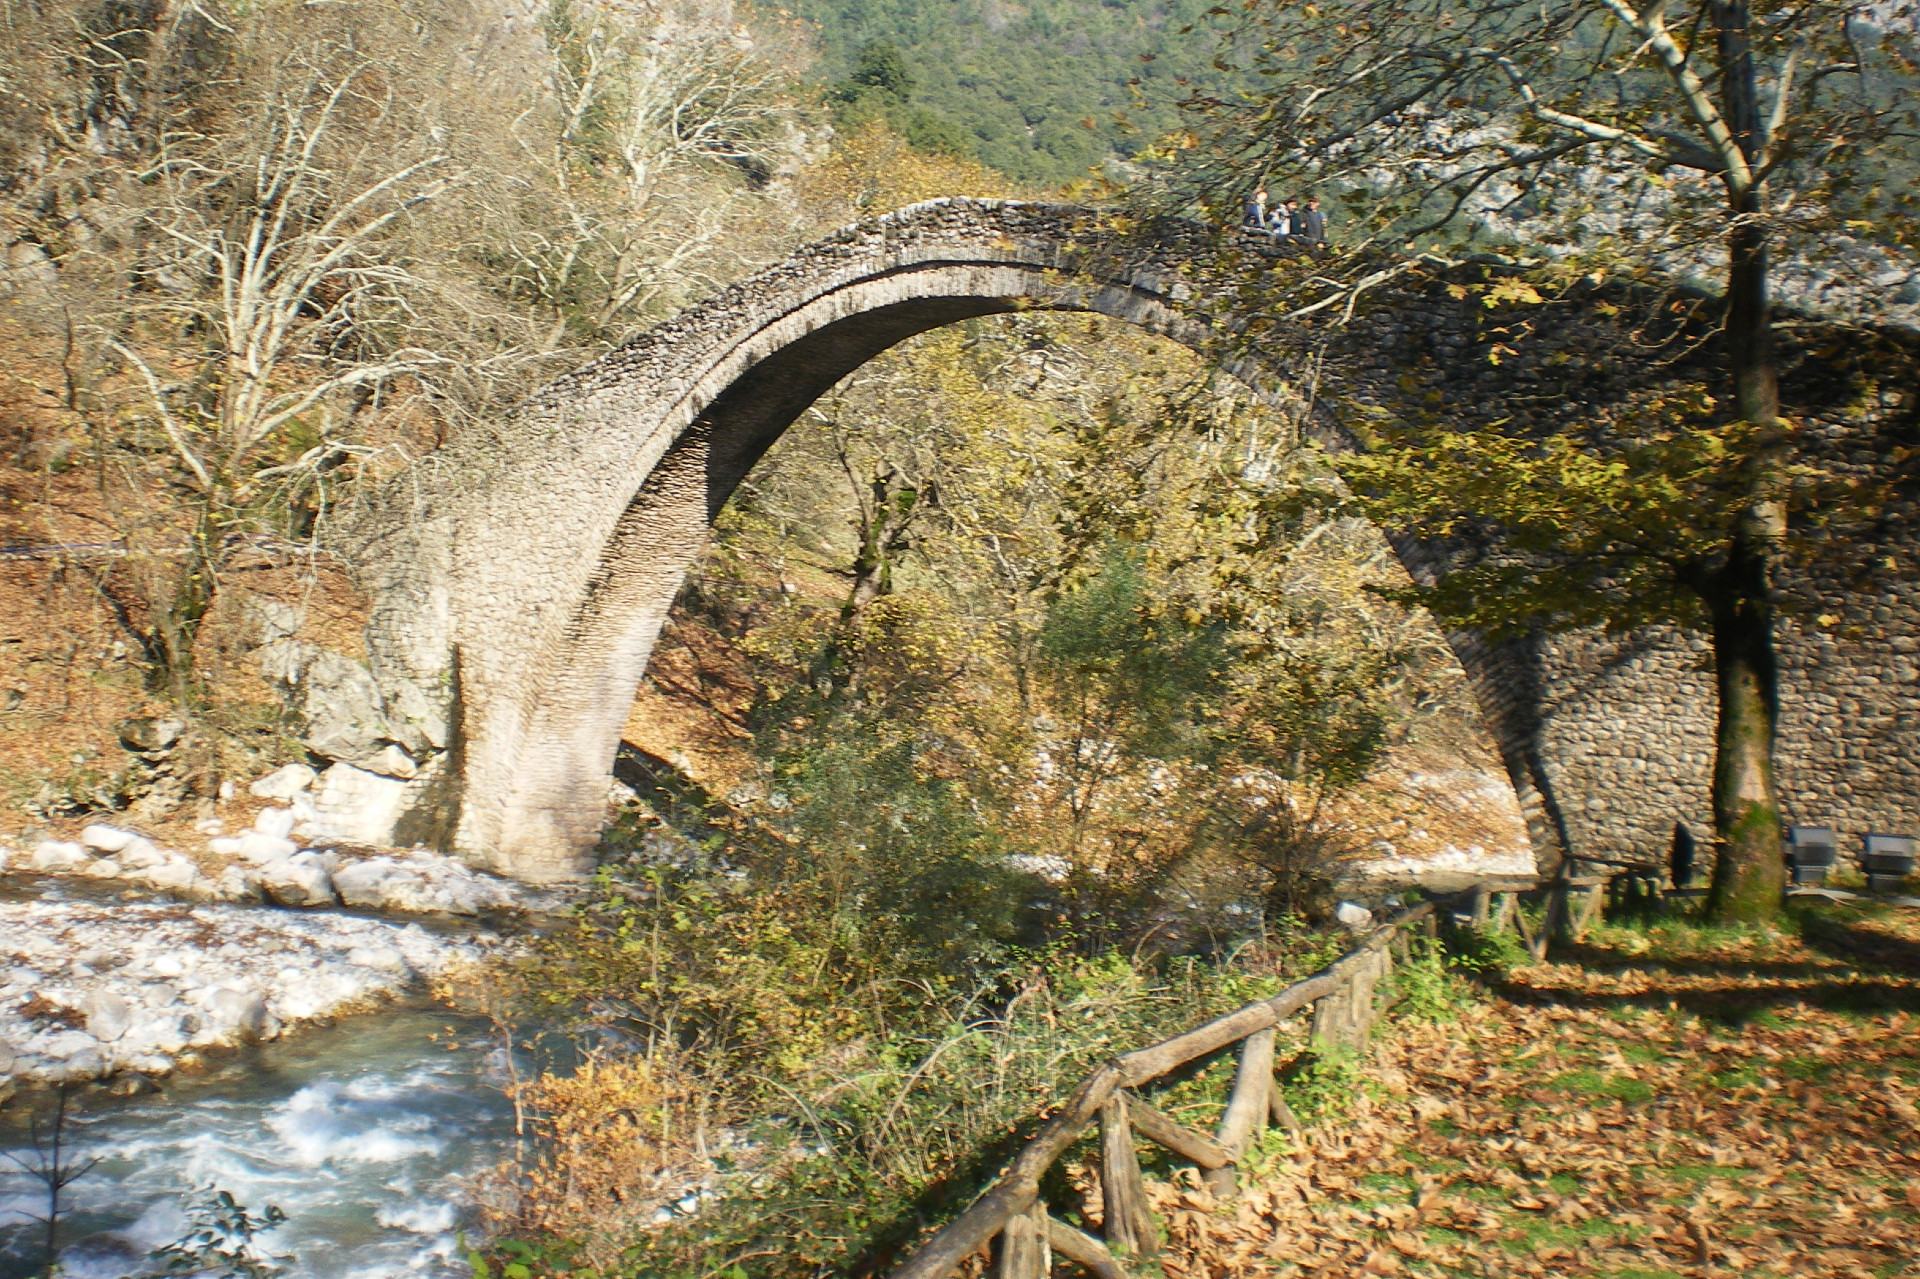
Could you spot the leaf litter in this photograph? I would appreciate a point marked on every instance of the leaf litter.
(1661, 1104)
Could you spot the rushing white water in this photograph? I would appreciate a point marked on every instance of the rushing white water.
(366, 1134)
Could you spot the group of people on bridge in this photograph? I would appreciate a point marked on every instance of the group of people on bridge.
(1286, 220)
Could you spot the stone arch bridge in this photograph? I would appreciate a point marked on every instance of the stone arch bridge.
(519, 580)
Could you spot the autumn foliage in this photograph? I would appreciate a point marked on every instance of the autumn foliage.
(1665, 1104)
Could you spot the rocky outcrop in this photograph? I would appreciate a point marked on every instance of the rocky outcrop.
(342, 712)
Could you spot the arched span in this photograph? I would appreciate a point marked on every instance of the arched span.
(526, 600)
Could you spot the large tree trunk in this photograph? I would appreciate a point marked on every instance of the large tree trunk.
(1749, 872)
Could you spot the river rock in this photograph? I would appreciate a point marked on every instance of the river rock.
(176, 875)
(299, 880)
(107, 839)
(424, 881)
(238, 884)
(139, 853)
(108, 1015)
(237, 1016)
(1353, 915)
(262, 849)
(155, 1039)
(57, 855)
(274, 822)
(102, 868)
(284, 783)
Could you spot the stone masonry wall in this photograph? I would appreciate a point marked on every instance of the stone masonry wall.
(1610, 737)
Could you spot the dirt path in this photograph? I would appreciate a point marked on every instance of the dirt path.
(1709, 1106)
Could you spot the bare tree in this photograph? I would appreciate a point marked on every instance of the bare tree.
(294, 247)
(53, 1166)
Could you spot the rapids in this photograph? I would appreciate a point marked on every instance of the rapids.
(368, 1134)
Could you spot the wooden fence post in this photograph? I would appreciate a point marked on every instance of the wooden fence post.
(1246, 1114)
(1025, 1246)
(1481, 900)
(1504, 904)
(1130, 1227)
(1330, 1020)
(1084, 1250)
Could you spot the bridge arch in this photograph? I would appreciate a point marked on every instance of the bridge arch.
(519, 603)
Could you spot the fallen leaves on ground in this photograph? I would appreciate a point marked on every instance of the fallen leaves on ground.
(1713, 1105)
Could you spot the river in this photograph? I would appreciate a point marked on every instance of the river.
(367, 1133)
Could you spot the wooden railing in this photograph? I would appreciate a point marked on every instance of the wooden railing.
(1347, 998)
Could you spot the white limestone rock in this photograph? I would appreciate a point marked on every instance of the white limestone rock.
(237, 884)
(276, 823)
(176, 875)
(262, 849)
(390, 761)
(53, 855)
(299, 880)
(422, 882)
(102, 868)
(1353, 916)
(339, 700)
(141, 854)
(102, 838)
(284, 783)
(108, 1015)
(150, 980)
(364, 883)
(237, 1015)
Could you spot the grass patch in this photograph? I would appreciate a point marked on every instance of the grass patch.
(1591, 1083)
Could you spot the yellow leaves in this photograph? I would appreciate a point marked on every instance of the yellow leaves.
(1512, 290)
(873, 170)
(1457, 291)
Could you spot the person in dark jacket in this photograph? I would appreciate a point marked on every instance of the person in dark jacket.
(1256, 213)
(1311, 225)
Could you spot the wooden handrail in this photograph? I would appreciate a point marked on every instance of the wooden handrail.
(1102, 1096)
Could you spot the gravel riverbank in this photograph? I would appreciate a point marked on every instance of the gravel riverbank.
(98, 988)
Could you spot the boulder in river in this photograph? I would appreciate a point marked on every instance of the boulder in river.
(58, 854)
(102, 838)
(299, 880)
(422, 881)
(108, 1015)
